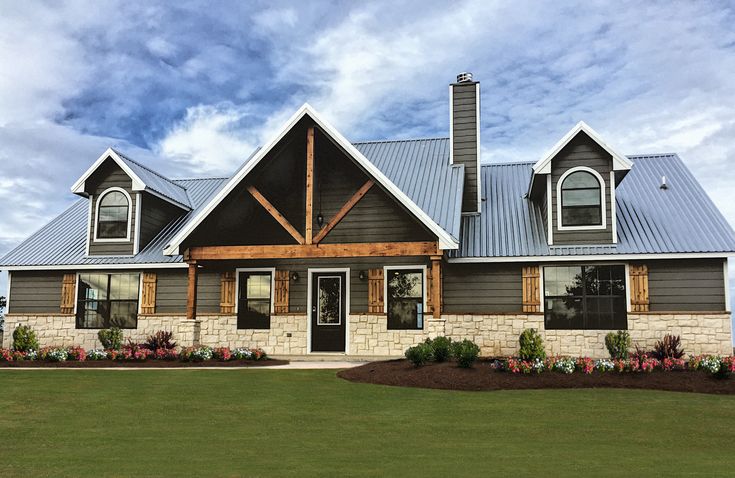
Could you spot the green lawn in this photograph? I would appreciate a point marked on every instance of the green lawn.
(309, 423)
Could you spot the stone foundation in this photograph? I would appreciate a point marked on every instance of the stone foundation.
(496, 334)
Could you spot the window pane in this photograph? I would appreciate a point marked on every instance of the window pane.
(112, 220)
(580, 179)
(124, 286)
(581, 216)
(562, 280)
(114, 213)
(405, 314)
(114, 198)
(581, 197)
(564, 313)
(124, 314)
(405, 299)
(403, 284)
(258, 286)
(330, 300)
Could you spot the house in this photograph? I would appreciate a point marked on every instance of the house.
(319, 245)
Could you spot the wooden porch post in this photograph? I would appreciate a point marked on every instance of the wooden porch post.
(436, 286)
(309, 184)
(191, 292)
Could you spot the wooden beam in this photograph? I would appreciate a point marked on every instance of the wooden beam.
(309, 183)
(191, 292)
(436, 286)
(344, 210)
(376, 249)
(276, 215)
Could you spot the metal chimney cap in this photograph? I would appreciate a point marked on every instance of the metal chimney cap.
(464, 77)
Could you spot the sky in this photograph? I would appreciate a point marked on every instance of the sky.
(191, 88)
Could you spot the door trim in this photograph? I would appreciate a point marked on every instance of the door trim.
(310, 283)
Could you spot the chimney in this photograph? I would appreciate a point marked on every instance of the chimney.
(464, 136)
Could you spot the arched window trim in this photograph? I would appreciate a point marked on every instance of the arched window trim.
(603, 203)
(97, 215)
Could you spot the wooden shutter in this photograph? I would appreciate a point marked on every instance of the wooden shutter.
(281, 293)
(375, 291)
(68, 286)
(639, 288)
(227, 293)
(531, 289)
(148, 294)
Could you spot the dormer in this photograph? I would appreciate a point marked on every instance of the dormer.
(575, 185)
(129, 204)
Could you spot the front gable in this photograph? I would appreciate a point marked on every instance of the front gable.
(287, 158)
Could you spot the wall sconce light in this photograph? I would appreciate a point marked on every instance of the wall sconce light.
(319, 219)
(295, 276)
(361, 275)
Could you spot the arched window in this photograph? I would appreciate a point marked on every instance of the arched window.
(113, 215)
(581, 199)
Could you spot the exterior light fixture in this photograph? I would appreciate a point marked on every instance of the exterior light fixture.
(361, 275)
(295, 276)
(319, 219)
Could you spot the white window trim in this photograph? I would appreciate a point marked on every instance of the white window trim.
(272, 271)
(423, 288)
(614, 209)
(90, 226)
(725, 272)
(339, 314)
(97, 215)
(581, 263)
(7, 296)
(549, 211)
(559, 184)
(309, 284)
(136, 238)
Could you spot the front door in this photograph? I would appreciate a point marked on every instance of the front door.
(328, 304)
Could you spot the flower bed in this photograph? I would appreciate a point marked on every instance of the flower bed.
(136, 354)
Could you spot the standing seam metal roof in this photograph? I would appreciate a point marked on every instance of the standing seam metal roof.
(158, 183)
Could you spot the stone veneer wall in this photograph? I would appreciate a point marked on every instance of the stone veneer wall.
(368, 335)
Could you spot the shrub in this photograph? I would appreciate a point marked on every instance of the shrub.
(465, 352)
(668, 347)
(111, 339)
(160, 340)
(441, 348)
(617, 344)
(420, 354)
(24, 339)
(531, 345)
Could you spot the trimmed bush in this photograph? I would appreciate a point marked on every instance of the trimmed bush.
(111, 339)
(618, 344)
(441, 348)
(419, 354)
(24, 339)
(531, 345)
(465, 352)
(668, 347)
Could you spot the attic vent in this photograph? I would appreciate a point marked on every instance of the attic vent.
(464, 77)
(663, 183)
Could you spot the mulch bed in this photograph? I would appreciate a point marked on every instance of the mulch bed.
(146, 364)
(482, 376)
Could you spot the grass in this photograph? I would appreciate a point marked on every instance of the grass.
(309, 423)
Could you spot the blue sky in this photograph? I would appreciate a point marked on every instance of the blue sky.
(192, 87)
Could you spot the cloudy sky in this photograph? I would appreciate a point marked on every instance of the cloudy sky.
(193, 87)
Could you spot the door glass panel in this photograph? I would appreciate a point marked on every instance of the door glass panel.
(330, 300)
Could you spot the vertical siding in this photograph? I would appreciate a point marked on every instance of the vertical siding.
(108, 175)
(155, 215)
(482, 288)
(464, 133)
(694, 285)
(171, 291)
(35, 292)
(582, 151)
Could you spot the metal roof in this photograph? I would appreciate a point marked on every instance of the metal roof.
(420, 168)
(650, 220)
(157, 183)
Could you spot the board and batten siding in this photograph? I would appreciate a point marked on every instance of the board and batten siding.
(695, 285)
(35, 292)
(482, 288)
(155, 215)
(108, 175)
(464, 134)
(171, 291)
(582, 151)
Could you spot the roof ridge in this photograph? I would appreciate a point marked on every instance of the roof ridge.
(506, 163)
(127, 158)
(400, 140)
(653, 155)
(199, 179)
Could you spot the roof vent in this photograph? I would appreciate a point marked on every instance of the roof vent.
(464, 77)
(663, 183)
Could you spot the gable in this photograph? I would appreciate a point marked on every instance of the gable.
(445, 240)
(109, 175)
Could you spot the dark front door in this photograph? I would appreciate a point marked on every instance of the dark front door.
(328, 304)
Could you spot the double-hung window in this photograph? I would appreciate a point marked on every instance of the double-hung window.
(254, 300)
(107, 300)
(585, 297)
(581, 200)
(405, 298)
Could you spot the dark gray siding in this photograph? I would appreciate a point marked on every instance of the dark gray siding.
(155, 214)
(108, 175)
(171, 291)
(464, 133)
(582, 151)
(482, 288)
(696, 285)
(35, 292)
